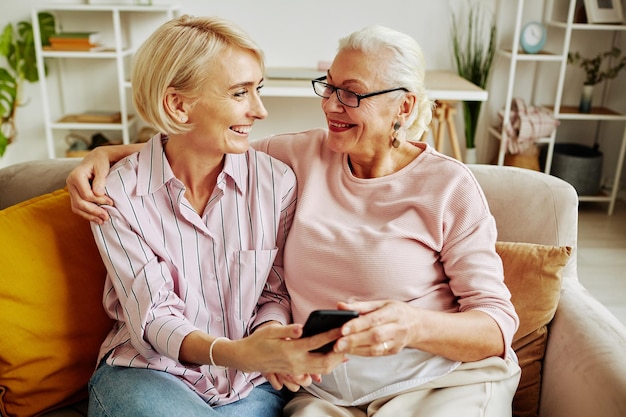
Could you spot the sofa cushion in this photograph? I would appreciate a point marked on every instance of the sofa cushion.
(533, 275)
(51, 315)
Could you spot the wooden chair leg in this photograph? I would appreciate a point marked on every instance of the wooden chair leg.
(454, 140)
(443, 116)
(440, 114)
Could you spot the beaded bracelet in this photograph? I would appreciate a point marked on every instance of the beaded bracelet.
(211, 350)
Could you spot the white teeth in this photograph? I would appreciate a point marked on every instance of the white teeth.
(244, 130)
(338, 124)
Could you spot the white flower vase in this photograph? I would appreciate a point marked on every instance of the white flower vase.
(585, 99)
(470, 155)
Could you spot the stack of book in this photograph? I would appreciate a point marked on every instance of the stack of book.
(74, 41)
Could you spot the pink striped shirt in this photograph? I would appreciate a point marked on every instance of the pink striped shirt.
(171, 271)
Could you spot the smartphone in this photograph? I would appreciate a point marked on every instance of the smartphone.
(321, 321)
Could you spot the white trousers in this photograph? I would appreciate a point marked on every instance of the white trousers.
(475, 389)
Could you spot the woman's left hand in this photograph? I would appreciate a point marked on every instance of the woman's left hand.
(383, 328)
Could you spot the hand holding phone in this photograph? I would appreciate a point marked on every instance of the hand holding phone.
(321, 321)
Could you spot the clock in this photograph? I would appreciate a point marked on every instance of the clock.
(533, 37)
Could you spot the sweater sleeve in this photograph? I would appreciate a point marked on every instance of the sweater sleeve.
(470, 259)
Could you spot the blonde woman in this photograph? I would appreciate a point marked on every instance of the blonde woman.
(193, 241)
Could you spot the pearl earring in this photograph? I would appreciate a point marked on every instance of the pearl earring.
(183, 119)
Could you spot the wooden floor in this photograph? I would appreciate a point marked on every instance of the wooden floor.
(602, 254)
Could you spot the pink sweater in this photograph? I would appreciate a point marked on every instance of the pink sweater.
(423, 235)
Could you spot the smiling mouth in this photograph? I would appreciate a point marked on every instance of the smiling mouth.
(242, 130)
(339, 127)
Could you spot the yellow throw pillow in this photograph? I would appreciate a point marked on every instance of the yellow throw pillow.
(51, 314)
(533, 275)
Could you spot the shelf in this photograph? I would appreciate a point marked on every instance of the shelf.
(287, 88)
(108, 53)
(540, 56)
(119, 50)
(64, 125)
(157, 8)
(597, 113)
(92, 117)
(588, 26)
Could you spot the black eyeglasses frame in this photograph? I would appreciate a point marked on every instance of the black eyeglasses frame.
(358, 96)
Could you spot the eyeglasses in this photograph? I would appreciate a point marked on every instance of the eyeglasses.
(346, 97)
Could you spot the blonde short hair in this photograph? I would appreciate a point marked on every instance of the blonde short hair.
(405, 67)
(180, 54)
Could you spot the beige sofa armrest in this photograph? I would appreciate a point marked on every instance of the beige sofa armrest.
(584, 370)
(533, 207)
(585, 364)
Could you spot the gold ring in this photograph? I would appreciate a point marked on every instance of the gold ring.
(385, 346)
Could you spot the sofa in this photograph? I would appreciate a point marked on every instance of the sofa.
(571, 349)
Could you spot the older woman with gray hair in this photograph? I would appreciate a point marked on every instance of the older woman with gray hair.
(390, 228)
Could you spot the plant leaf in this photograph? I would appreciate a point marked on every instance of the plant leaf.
(8, 93)
(18, 47)
(4, 141)
(46, 27)
(593, 66)
(6, 40)
(473, 60)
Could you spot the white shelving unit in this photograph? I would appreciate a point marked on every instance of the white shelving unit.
(115, 23)
(559, 17)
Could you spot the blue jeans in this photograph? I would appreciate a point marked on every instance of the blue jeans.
(117, 391)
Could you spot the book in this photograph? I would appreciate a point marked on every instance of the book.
(91, 37)
(70, 41)
(74, 48)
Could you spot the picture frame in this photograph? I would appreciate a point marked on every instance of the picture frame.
(604, 11)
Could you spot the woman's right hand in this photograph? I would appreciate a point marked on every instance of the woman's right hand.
(86, 182)
(86, 186)
(279, 353)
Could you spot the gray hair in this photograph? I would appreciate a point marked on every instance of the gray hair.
(405, 68)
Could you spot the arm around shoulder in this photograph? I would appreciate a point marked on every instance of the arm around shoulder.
(86, 182)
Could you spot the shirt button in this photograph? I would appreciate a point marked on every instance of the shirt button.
(218, 319)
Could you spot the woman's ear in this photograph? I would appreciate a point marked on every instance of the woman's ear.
(410, 101)
(174, 105)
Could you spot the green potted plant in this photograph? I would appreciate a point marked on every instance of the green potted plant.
(474, 47)
(595, 72)
(17, 46)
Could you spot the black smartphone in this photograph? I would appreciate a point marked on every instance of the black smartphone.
(321, 321)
